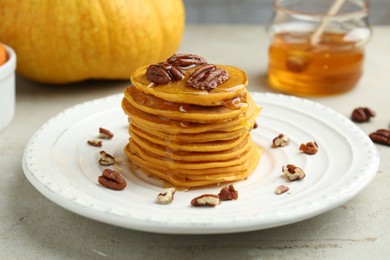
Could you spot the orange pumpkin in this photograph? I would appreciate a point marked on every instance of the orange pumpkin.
(69, 41)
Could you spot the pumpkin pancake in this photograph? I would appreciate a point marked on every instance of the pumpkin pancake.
(170, 126)
(189, 138)
(186, 112)
(179, 179)
(178, 92)
(196, 153)
(213, 146)
(152, 158)
(180, 171)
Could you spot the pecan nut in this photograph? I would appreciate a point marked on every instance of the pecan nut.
(96, 143)
(255, 125)
(309, 148)
(207, 77)
(164, 73)
(112, 180)
(381, 136)
(166, 196)
(280, 141)
(106, 159)
(210, 200)
(281, 189)
(228, 193)
(293, 172)
(362, 114)
(186, 60)
(105, 134)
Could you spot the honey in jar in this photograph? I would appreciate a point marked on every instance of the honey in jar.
(330, 65)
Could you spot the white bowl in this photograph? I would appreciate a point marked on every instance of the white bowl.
(7, 88)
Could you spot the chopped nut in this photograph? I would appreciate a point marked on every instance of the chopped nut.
(106, 159)
(228, 193)
(105, 134)
(96, 143)
(255, 125)
(362, 114)
(112, 180)
(280, 141)
(211, 200)
(293, 172)
(281, 189)
(166, 196)
(381, 136)
(309, 148)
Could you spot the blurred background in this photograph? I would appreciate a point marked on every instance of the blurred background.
(259, 11)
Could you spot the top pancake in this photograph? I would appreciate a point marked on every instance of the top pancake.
(178, 92)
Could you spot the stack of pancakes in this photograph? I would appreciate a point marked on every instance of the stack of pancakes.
(190, 137)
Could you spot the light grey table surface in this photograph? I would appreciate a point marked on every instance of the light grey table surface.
(32, 227)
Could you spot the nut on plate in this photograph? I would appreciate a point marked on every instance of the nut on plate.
(166, 196)
(96, 143)
(280, 141)
(309, 148)
(105, 134)
(106, 159)
(228, 193)
(281, 189)
(112, 179)
(210, 200)
(255, 125)
(362, 114)
(293, 172)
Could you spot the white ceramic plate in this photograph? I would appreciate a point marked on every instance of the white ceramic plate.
(59, 163)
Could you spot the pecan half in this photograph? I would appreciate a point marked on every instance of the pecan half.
(112, 180)
(166, 196)
(105, 134)
(362, 114)
(293, 172)
(106, 159)
(381, 136)
(207, 77)
(186, 60)
(280, 141)
(96, 143)
(211, 200)
(281, 189)
(228, 193)
(164, 73)
(309, 148)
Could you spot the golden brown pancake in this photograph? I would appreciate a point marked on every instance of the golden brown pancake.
(171, 126)
(175, 92)
(185, 112)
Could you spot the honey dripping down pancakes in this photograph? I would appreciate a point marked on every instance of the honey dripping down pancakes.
(190, 122)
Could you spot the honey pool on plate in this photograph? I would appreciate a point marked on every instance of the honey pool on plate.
(333, 65)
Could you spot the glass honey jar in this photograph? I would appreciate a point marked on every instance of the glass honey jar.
(317, 47)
